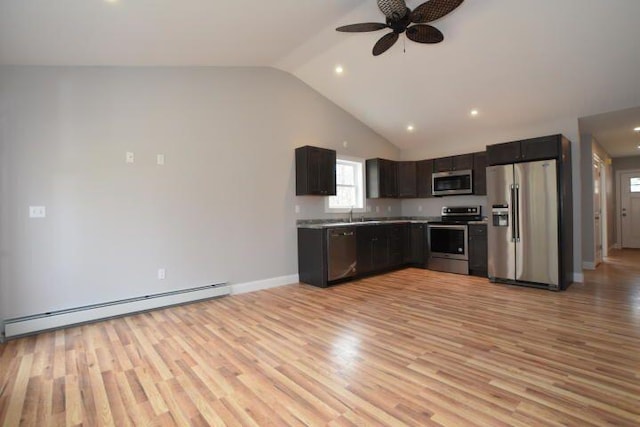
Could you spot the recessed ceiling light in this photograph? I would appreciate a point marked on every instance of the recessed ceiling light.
(111, 1)
(339, 70)
(410, 128)
(636, 129)
(474, 112)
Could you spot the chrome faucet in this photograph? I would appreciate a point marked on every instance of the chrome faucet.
(351, 215)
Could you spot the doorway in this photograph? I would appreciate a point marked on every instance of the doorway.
(598, 203)
(629, 191)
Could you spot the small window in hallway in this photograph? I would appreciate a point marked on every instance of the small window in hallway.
(635, 185)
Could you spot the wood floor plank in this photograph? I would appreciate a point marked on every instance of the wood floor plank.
(408, 348)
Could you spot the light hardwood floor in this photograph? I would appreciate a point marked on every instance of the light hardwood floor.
(412, 347)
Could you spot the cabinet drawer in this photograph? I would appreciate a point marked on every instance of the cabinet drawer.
(478, 230)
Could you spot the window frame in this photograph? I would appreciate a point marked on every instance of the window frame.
(361, 179)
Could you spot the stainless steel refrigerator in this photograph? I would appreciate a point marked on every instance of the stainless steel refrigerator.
(524, 235)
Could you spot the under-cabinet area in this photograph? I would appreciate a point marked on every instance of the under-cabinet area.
(334, 253)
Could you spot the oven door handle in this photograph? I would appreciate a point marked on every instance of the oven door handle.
(449, 227)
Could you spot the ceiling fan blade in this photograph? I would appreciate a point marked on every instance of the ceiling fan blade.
(385, 43)
(433, 9)
(394, 10)
(424, 34)
(362, 28)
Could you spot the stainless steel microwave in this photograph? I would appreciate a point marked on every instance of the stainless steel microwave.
(453, 182)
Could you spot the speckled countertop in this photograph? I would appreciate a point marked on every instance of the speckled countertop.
(329, 223)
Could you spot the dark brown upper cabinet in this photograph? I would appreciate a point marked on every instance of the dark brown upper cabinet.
(315, 171)
(546, 147)
(382, 179)
(453, 163)
(424, 171)
(480, 173)
(407, 179)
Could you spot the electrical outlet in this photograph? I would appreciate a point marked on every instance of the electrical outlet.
(160, 159)
(37, 212)
(388, 208)
(297, 208)
(161, 274)
(129, 157)
(419, 208)
(345, 144)
(378, 209)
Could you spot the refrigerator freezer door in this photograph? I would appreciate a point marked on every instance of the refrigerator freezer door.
(501, 247)
(537, 206)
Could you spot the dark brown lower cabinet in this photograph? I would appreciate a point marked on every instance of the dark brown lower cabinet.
(380, 247)
(478, 250)
(416, 244)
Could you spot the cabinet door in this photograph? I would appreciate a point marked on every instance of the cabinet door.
(388, 179)
(396, 235)
(443, 164)
(480, 173)
(380, 248)
(502, 154)
(381, 178)
(415, 245)
(315, 171)
(424, 171)
(478, 250)
(407, 179)
(365, 243)
(462, 162)
(547, 147)
(327, 172)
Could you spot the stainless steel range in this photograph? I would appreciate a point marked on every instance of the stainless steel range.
(447, 239)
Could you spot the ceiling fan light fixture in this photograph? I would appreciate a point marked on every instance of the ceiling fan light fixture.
(410, 128)
(339, 70)
(474, 112)
(400, 19)
(636, 129)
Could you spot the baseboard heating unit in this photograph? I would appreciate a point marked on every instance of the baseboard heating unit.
(62, 318)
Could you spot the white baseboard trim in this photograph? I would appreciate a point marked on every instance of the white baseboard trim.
(63, 318)
(258, 285)
(588, 265)
(578, 277)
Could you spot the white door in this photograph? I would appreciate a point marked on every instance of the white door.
(597, 209)
(630, 205)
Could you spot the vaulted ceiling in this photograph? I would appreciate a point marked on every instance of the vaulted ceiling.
(518, 62)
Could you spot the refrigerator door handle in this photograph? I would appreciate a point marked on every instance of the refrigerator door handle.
(513, 212)
(517, 218)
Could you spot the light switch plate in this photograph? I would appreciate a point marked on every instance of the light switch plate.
(160, 159)
(37, 212)
(129, 157)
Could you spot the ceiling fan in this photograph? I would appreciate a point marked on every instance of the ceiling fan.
(400, 19)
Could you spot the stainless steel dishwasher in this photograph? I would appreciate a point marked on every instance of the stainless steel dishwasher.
(341, 249)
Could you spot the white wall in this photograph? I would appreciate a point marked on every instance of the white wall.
(440, 148)
(588, 147)
(221, 209)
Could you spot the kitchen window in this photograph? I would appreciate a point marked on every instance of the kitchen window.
(349, 186)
